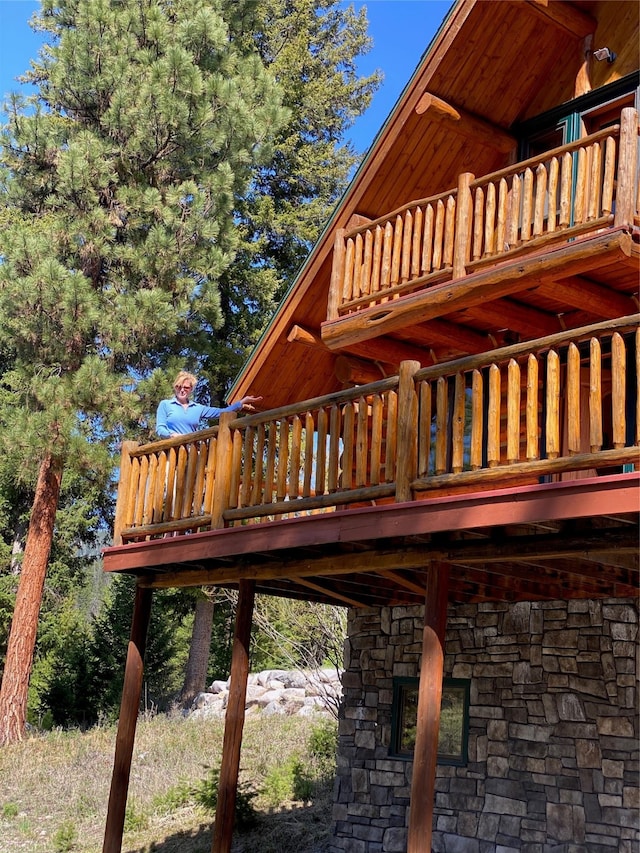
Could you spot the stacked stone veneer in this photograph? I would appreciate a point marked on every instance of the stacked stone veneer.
(553, 739)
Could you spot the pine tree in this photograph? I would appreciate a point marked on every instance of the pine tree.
(311, 47)
(118, 189)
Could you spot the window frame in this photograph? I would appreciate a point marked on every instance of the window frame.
(570, 118)
(402, 686)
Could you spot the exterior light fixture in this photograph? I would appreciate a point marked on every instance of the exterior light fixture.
(604, 53)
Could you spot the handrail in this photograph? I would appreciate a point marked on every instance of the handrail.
(583, 186)
(535, 409)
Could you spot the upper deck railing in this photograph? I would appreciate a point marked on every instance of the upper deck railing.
(584, 186)
(549, 408)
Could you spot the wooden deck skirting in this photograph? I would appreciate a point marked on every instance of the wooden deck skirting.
(565, 403)
(561, 195)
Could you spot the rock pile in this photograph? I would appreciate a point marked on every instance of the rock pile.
(277, 691)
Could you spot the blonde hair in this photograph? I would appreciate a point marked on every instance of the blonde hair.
(184, 378)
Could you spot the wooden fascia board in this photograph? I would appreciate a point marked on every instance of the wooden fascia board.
(348, 205)
(516, 505)
(478, 288)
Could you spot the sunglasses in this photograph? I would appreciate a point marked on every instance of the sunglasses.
(182, 387)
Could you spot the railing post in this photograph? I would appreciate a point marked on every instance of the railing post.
(123, 515)
(337, 275)
(464, 220)
(627, 185)
(222, 481)
(407, 453)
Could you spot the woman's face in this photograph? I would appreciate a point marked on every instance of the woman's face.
(183, 391)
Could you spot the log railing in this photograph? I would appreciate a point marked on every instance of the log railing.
(540, 409)
(584, 186)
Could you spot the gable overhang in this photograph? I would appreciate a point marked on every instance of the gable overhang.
(470, 87)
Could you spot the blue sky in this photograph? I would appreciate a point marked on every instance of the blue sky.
(401, 30)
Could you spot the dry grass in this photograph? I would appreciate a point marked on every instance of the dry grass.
(54, 789)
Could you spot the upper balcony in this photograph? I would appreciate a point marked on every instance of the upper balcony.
(499, 252)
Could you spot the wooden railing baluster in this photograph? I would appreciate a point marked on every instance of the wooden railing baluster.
(377, 413)
(552, 427)
(513, 411)
(573, 400)
(595, 395)
(296, 450)
(618, 389)
(457, 443)
(424, 428)
(477, 419)
(442, 417)
(531, 417)
(493, 418)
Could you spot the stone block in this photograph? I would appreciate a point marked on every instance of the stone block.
(488, 826)
(359, 779)
(565, 822)
(505, 806)
(458, 844)
(588, 753)
(497, 730)
(497, 766)
(394, 840)
(570, 707)
(370, 834)
(620, 613)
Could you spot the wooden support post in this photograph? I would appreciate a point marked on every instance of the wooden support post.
(627, 190)
(407, 432)
(123, 515)
(425, 756)
(234, 721)
(129, 707)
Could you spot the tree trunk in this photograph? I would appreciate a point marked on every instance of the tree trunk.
(24, 625)
(195, 676)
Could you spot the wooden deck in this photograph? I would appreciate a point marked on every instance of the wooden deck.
(524, 543)
(517, 467)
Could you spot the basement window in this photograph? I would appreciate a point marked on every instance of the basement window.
(453, 738)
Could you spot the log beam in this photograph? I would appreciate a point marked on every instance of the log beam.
(425, 755)
(565, 16)
(445, 333)
(356, 371)
(383, 350)
(509, 314)
(589, 297)
(465, 123)
(234, 721)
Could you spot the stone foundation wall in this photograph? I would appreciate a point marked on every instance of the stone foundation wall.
(553, 738)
